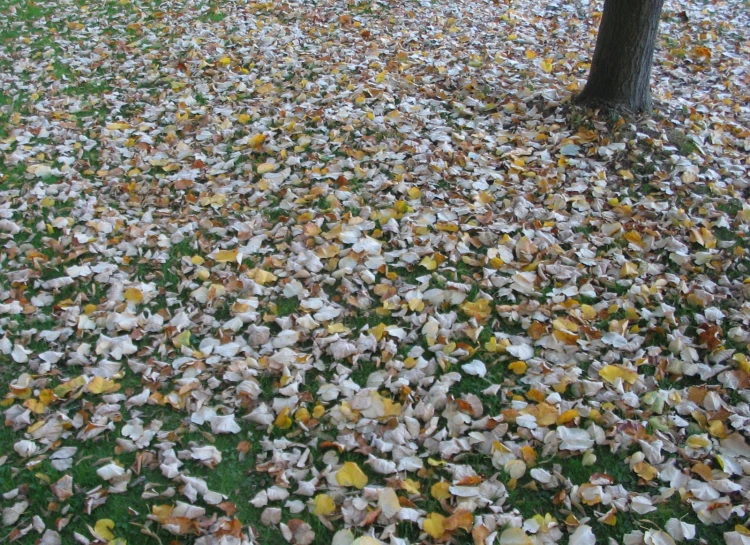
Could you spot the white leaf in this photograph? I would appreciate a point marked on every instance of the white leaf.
(582, 536)
(12, 514)
(224, 424)
(25, 448)
(182, 509)
(50, 537)
(343, 537)
(110, 471)
(271, 515)
(736, 538)
(658, 537)
(475, 368)
(388, 502)
(679, 530)
(574, 439)
(521, 351)
(515, 536)
(641, 505)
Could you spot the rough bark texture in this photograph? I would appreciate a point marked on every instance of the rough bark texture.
(621, 68)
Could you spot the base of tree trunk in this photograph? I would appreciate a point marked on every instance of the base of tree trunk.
(587, 99)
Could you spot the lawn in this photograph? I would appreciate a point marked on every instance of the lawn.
(360, 272)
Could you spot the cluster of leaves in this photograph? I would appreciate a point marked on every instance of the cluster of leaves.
(355, 272)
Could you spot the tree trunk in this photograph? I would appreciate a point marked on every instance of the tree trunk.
(621, 67)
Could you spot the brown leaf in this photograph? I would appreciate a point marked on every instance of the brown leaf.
(371, 517)
(459, 519)
(479, 534)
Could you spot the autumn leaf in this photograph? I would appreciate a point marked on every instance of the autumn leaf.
(225, 256)
(350, 474)
(133, 295)
(440, 490)
(102, 529)
(479, 309)
(323, 505)
(433, 525)
(100, 385)
(611, 373)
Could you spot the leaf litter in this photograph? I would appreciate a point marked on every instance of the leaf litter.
(378, 274)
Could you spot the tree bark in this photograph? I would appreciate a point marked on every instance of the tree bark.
(621, 68)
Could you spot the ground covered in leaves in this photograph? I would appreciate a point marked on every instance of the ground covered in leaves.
(334, 272)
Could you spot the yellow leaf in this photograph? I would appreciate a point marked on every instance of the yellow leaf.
(257, 140)
(546, 414)
(102, 529)
(479, 309)
(611, 373)
(225, 61)
(118, 126)
(414, 193)
(338, 328)
(628, 269)
(441, 490)
(133, 295)
(411, 486)
(380, 78)
(264, 277)
(645, 471)
(717, 429)
(323, 505)
(197, 260)
(446, 227)
(429, 263)
(266, 167)
(243, 118)
(433, 525)
(226, 256)
(610, 518)
(378, 331)
(567, 416)
(350, 474)
(547, 65)
(101, 385)
(589, 312)
(518, 367)
(391, 408)
(282, 420)
(66, 387)
(183, 339)
(302, 415)
(530, 54)
(162, 512)
(563, 324)
(492, 346)
(47, 396)
(34, 405)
